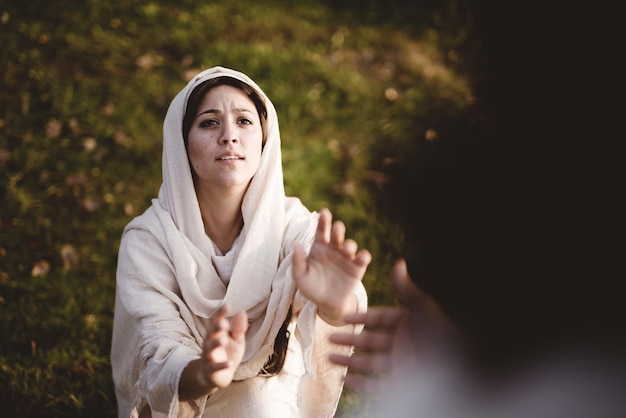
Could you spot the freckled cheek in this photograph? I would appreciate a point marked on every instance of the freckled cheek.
(198, 152)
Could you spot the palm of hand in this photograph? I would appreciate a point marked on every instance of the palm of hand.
(228, 354)
(224, 347)
(333, 268)
(331, 275)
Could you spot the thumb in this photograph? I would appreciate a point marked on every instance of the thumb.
(416, 299)
(299, 266)
(239, 324)
(408, 292)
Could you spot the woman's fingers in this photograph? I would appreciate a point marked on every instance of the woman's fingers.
(217, 366)
(363, 258)
(349, 247)
(217, 321)
(322, 234)
(211, 344)
(338, 234)
(329, 232)
(222, 328)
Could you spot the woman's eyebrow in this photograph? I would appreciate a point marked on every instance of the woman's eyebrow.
(208, 111)
(217, 111)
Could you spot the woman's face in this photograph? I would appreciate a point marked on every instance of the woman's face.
(225, 140)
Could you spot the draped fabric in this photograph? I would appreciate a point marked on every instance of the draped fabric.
(168, 287)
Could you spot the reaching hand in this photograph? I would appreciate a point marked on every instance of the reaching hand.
(332, 270)
(224, 347)
(222, 351)
(393, 336)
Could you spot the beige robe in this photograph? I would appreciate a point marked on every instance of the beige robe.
(168, 288)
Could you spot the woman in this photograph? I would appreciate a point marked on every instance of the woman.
(223, 238)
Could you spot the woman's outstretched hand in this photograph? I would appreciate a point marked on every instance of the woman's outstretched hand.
(332, 270)
(394, 338)
(222, 353)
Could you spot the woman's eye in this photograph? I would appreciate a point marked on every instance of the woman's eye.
(245, 121)
(207, 123)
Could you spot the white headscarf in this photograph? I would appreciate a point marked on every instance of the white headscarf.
(261, 281)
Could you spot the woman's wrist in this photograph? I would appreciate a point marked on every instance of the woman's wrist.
(334, 316)
(193, 382)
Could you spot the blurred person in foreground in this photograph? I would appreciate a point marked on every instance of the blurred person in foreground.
(226, 288)
(519, 228)
(416, 363)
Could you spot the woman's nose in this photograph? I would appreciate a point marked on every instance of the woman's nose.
(228, 135)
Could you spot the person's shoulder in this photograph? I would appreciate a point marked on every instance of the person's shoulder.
(300, 222)
(142, 226)
(143, 241)
(146, 219)
(294, 208)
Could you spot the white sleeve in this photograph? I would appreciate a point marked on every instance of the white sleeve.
(151, 342)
